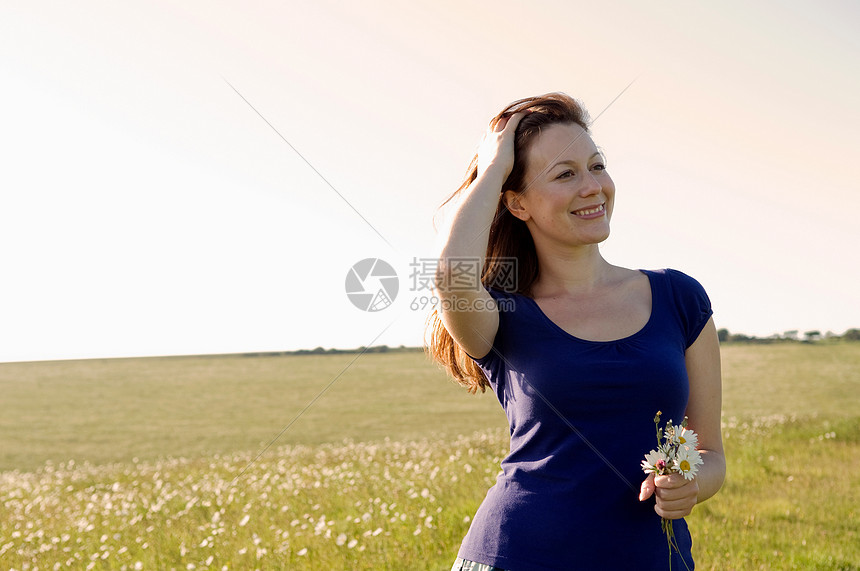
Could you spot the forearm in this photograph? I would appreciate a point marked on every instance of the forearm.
(703, 409)
(711, 474)
(469, 231)
(470, 228)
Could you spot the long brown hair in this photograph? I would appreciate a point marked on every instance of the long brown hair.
(509, 236)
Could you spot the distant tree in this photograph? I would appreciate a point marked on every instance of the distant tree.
(723, 335)
(791, 334)
(813, 335)
(852, 335)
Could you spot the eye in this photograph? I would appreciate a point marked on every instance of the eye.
(599, 166)
(566, 174)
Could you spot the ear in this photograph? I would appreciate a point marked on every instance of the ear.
(514, 203)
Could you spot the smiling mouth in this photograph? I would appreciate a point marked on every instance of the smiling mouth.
(590, 211)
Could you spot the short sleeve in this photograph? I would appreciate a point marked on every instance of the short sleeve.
(692, 302)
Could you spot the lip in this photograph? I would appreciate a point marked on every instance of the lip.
(589, 212)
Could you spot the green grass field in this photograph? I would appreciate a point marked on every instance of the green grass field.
(153, 463)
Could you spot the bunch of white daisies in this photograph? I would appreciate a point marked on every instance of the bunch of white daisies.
(676, 451)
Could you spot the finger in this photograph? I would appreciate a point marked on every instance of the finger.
(647, 488)
(673, 503)
(515, 119)
(675, 509)
(672, 514)
(671, 481)
(511, 121)
(679, 495)
(689, 490)
(500, 124)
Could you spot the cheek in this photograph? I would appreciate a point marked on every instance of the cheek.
(609, 191)
(549, 206)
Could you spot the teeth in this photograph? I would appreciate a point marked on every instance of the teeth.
(589, 211)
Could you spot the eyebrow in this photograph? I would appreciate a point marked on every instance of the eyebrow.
(571, 162)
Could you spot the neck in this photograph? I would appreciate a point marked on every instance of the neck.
(571, 271)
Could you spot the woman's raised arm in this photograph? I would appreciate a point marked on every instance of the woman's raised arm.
(463, 311)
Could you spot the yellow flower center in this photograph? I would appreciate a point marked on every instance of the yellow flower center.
(681, 438)
(685, 466)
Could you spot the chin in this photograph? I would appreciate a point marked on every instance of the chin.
(601, 236)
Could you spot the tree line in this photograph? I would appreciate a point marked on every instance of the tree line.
(724, 335)
(811, 336)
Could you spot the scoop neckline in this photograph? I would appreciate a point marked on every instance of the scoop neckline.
(641, 330)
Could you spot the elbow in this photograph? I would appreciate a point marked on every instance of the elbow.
(713, 474)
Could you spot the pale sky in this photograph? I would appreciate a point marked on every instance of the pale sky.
(146, 209)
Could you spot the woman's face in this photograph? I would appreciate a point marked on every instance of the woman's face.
(569, 195)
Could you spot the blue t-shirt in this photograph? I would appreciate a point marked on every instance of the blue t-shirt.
(581, 416)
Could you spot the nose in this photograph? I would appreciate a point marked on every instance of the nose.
(590, 185)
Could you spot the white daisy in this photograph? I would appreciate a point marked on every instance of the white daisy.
(688, 460)
(686, 437)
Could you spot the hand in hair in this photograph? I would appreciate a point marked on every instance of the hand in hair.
(497, 146)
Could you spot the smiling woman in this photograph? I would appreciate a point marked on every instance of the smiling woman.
(583, 356)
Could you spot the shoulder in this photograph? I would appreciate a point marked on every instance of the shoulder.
(506, 301)
(515, 319)
(691, 301)
(679, 282)
(498, 293)
(682, 282)
(674, 277)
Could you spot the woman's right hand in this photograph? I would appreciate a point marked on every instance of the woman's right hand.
(497, 147)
